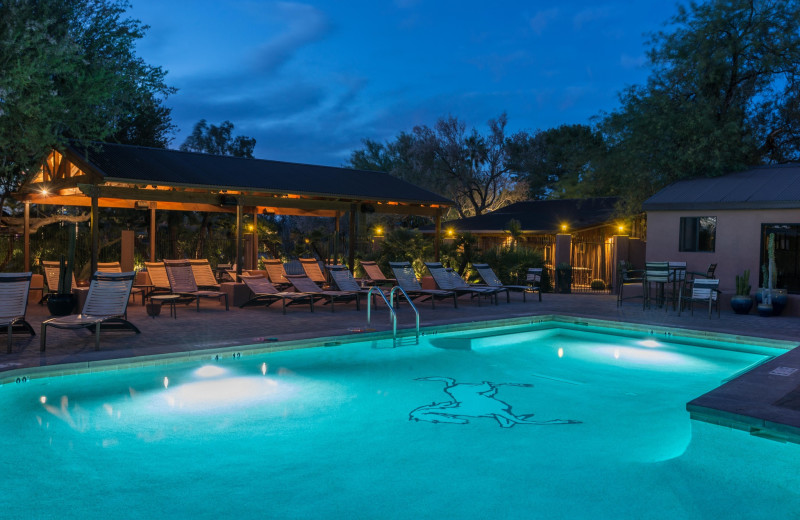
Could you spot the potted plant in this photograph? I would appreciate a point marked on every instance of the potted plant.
(771, 301)
(63, 302)
(741, 302)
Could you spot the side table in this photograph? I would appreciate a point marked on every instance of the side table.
(168, 299)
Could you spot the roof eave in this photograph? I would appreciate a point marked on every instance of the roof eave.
(697, 206)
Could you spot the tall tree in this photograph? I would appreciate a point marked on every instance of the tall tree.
(472, 169)
(723, 94)
(218, 140)
(70, 71)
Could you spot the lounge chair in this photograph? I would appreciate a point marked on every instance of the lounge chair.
(181, 282)
(158, 278)
(375, 275)
(703, 291)
(276, 272)
(449, 280)
(204, 275)
(14, 302)
(106, 303)
(343, 280)
(489, 277)
(313, 271)
(304, 284)
(52, 274)
(534, 280)
(115, 267)
(264, 293)
(407, 280)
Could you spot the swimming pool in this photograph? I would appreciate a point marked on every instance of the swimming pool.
(528, 421)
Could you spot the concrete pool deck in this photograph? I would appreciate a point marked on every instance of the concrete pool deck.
(764, 401)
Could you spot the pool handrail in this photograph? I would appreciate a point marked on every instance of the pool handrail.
(392, 313)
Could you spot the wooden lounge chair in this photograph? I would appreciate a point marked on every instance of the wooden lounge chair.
(158, 278)
(181, 282)
(704, 291)
(313, 271)
(106, 303)
(407, 280)
(375, 275)
(276, 272)
(303, 284)
(489, 277)
(52, 273)
(264, 293)
(449, 280)
(14, 303)
(115, 267)
(204, 275)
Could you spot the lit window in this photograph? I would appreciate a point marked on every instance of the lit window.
(698, 234)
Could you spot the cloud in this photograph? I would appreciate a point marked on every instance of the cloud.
(589, 15)
(304, 25)
(542, 19)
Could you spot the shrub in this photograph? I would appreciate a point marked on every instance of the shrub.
(598, 285)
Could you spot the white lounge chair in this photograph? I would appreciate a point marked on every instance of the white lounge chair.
(14, 302)
(107, 302)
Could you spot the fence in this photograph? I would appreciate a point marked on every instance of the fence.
(591, 259)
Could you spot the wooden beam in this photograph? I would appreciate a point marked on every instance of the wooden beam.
(152, 231)
(26, 240)
(437, 238)
(351, 256)
(239, 252)
(95, 234)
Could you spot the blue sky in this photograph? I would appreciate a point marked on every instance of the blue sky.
(310, 80)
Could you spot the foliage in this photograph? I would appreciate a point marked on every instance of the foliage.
(598, 285)
(743, 283)
(70, 71)
(472, 169)
(723, 95)
(511, 265)
(460, 252)
(218, 140)
(405, 245)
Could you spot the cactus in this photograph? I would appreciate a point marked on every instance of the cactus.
(770, 273)
(743, 283)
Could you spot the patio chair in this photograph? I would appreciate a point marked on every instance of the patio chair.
(304, 284)
(375, 275)
(708, 274)
(489, 277)
(264, 293)
(407, 280)
(629, 277)
(703, 291)
(313, 271)
(14, 303)
(106, 303)
(158, 278)
(654, 273)
(449, 280)
(52, 273)
(181, 282)
(204, 275)
(115, 267)
(677, 276)
(276, 272)
(534, 280)
(343, 280)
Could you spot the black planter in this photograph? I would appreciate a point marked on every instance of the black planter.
(61, 304)
(153, 308)
(741, 304)
(765, 309)
(780, 298)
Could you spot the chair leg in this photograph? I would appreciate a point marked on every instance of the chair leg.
(9, 338)
(43, 337)
(97, 337)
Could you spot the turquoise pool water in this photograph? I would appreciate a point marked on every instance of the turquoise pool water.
(534, 424)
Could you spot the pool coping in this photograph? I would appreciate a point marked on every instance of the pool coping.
(746, 402)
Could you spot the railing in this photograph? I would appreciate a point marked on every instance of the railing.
(393, 314)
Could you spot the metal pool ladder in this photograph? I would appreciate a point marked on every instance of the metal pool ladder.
(393, 314)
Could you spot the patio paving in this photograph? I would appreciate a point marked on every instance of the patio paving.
(761, 401)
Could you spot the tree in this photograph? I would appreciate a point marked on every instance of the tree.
(473, 170)
(218, 140)
(70, 72)
(723, 95)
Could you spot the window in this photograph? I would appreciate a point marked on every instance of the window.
(787, 255)
(698, 234)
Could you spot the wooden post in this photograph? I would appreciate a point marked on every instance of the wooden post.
(152, 231)
(351, 257)
(95, 230)
(336, 231)
(255, 237)
(26, 239)
(437, 238)
(239, 251)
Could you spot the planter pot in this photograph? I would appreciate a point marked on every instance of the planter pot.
(61, 304)
(779, 299)
(764, 309)
(153, 308)
(741, 304)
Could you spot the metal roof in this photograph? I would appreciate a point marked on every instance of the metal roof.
(765, 187)
(137, 164)
(543, 215)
